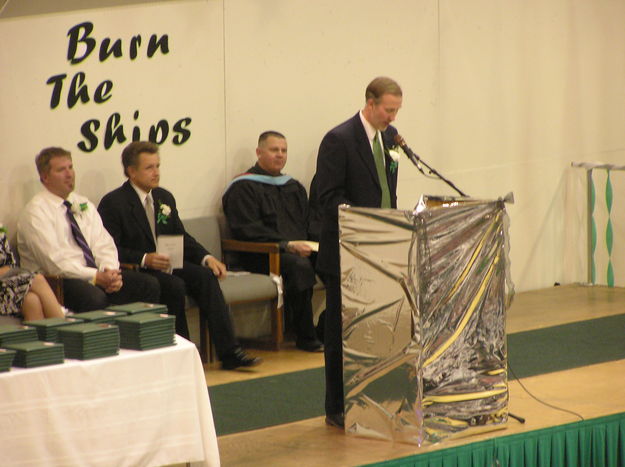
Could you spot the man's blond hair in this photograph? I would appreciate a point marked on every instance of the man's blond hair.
(380, 86)
(42, 161)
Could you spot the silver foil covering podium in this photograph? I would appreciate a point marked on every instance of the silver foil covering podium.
(425, 295)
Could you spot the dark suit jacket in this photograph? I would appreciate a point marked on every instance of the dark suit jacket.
(124, 217)
(346, 174)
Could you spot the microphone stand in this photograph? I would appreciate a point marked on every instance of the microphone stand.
(417, 161)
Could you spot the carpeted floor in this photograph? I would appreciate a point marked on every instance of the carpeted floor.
(566, 346)
(296, 396)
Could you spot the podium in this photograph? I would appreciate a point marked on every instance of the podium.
(424, 300)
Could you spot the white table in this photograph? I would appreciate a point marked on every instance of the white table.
(136, 409)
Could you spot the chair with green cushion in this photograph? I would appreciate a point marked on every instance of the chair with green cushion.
(239, 288)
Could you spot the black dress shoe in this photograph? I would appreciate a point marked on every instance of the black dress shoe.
(336, 420)
(238, 359)
(311, 345)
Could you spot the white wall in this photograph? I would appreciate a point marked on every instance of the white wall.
(498, 96)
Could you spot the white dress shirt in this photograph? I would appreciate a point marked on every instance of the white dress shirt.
(140, 193)
(142, 196)
(371, 134)
(45, 241)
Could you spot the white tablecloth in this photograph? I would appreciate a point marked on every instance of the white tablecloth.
(136, 409)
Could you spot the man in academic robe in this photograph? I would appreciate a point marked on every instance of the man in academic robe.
(136, 214)
(354, 167)
(264, 205)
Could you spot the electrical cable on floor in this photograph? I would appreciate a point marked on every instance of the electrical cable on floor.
(540, 401)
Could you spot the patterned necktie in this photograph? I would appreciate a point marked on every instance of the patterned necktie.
(78, 236)
(378, 156)
(149, 212)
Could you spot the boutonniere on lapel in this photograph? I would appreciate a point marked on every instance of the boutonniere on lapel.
(78, 208)
(395, 153)
(163, 213)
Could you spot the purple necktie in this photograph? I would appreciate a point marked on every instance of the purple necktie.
(78, 236)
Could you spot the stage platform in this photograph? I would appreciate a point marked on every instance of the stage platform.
(590, 392)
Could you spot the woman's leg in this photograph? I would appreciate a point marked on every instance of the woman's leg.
(49, 304)
(31, 307)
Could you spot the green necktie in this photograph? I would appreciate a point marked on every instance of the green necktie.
(378, 156)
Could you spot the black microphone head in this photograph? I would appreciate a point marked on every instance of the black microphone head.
(399, 140)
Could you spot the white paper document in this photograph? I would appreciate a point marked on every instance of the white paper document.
(172, 246)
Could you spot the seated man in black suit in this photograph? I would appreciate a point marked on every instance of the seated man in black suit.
(60, 233)
(263, 205)
(125, 211)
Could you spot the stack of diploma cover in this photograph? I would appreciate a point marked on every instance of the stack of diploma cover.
(47, 329)
(101, 316)
(146, 331)
(6, 359)
(14, 333)
(139, 307)
(36, 353)
(90, 340)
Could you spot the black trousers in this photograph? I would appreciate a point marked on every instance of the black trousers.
(80, 295)
(201, 284)
(333, 350)
(173, 296)
(298, 275)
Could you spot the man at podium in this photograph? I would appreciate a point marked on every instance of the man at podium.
(353, 167)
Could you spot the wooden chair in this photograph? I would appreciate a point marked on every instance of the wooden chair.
(56, 284)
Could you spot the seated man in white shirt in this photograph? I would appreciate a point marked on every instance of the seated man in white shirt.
(60, 233)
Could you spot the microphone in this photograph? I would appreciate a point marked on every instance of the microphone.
(402, 144)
